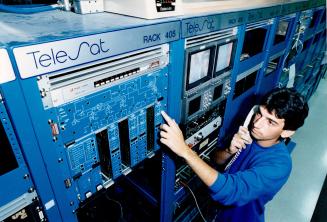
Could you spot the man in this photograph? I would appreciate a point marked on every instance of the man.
(262, 167)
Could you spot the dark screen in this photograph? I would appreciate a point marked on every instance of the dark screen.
(194, 105)
(8, 161)
(217, 92)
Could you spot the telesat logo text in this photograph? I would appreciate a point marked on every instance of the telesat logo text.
(61, 56)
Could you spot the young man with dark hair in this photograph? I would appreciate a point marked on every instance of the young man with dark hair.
(262, 167)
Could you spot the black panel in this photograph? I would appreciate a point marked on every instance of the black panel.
(104, 154)
(217, 92)
(244, 84)
(253, 42)
(100, 207)
(239, 86)
(194, 105)
(8, 161)
(250, 80)
(150, 128)
(124, 142)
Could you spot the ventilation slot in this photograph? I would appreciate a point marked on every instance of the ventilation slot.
(119, 66)
(259, 24)
(215, 36)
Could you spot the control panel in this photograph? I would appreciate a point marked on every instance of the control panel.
(96, 122)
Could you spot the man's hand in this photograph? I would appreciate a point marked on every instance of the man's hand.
(240, 140)
(172, 136)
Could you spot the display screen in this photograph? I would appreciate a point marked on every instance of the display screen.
(281, 32)
(224, 57)
(199, 67)
(194, 105)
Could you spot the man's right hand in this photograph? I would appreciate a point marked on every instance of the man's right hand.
(240, 140)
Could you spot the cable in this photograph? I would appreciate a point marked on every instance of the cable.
(233, 159)
(196, 202)
(120, 206)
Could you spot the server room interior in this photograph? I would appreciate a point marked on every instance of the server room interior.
(135, 195)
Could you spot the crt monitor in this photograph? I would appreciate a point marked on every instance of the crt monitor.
(224, 58)
(199, 67)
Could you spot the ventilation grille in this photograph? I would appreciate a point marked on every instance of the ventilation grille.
(288, 17)
(210, 37)
(110, 67)
(259, 24)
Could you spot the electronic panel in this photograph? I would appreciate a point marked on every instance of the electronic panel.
(208, 63)
(121, 117)
(209, 60)
(102, 119)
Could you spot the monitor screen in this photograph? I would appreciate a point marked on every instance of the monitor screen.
(281, 32)
(194, 105)
(199, 67)
(225, 55)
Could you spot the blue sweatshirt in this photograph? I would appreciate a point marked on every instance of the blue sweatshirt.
(253, 180)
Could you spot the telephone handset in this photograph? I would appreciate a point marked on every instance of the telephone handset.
(245, 124)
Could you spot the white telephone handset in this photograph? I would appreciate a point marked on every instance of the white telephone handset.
(245, 124)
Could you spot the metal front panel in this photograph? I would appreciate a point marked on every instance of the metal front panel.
(50, 57)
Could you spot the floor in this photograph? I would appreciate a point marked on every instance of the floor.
(297, 199)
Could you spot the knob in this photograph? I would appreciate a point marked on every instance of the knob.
(199, 137)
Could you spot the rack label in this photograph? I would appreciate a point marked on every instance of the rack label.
(50, 57)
